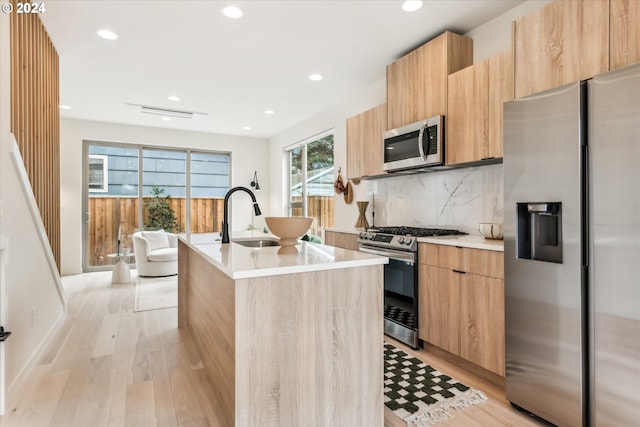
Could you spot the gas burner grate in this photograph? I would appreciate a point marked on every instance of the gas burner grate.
(416, 231)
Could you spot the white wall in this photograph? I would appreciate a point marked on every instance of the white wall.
(36, 309)
(489, 39)
(247, 156)
(332, 118)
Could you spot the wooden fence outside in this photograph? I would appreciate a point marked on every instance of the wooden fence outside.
(108, 214)
(320, 208)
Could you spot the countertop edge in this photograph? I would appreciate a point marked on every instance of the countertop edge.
(345, 230)
(473, 241)
(468, 241)
(288, 269)
(277, 271)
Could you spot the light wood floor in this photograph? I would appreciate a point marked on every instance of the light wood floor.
(110, 366)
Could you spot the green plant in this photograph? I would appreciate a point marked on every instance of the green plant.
(160, 214)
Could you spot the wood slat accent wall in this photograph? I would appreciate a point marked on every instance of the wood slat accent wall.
(35, 118)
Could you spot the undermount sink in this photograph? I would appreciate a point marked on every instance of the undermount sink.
(262, 243)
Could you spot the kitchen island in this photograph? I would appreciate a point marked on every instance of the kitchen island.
(286, 340)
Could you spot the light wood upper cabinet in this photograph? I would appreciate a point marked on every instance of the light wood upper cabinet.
(417, 82)
(468, 115)
(399, 79)
(461, 303)
(625, 33)
(474, 119)
(501, 90)
(341, 240)
(364, 142)
(562, 42)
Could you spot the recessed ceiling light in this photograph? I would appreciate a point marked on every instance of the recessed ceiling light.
(269, 112)
(411, 6)
(65, 107)
(315, 77)
(232, 12)
(247, 128)
(107, 34)
(167, 119)
(173, 98)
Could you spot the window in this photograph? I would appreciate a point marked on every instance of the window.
(120, 179)
(311, 171)
(98, 174)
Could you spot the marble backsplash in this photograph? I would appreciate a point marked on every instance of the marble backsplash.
(459, 198)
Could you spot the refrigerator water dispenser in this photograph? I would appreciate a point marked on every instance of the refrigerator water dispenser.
(539, 231)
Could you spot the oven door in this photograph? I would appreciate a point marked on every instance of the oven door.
(400, 294)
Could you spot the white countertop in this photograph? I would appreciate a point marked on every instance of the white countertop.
(469, 241)
(348, 230)
(241, 262)
(474, 241)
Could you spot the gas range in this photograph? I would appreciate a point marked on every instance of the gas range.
(401, 237)
(400, 245)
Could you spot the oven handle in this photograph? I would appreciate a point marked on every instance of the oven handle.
(409, 258)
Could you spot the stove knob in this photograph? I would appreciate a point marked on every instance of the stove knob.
(407, 241)
(401, 240)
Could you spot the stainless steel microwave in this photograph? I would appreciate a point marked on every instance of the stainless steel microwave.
(416, 145)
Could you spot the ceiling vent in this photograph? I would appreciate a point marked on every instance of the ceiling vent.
(165, 112)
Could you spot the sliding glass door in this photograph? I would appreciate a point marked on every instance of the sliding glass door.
(164, 177)
(129, 188)
(111, 200)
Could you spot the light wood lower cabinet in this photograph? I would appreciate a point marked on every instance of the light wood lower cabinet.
(341, 240)
(482, 321)
(461, 303)
(439, 302)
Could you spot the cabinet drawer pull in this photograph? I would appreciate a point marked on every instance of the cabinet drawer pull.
(458, 271)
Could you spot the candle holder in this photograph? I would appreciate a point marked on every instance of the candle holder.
(362, 219)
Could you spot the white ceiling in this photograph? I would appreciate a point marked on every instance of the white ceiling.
(233, 70)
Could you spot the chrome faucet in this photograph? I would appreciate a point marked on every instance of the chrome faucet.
(225, 220)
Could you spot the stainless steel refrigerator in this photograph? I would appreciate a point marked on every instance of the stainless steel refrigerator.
(572, 251)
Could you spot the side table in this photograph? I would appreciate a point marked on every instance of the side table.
(121, 271)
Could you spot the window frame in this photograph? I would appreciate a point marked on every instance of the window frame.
(304, 172)
(105, 174)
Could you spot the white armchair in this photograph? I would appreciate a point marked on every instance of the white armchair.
(156, 253)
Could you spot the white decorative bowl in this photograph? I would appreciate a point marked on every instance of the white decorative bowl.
(490, 230)
(288, 228)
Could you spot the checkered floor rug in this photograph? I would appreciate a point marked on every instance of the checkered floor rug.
(419, 394)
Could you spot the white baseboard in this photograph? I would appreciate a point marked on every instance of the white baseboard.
(21, 378)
